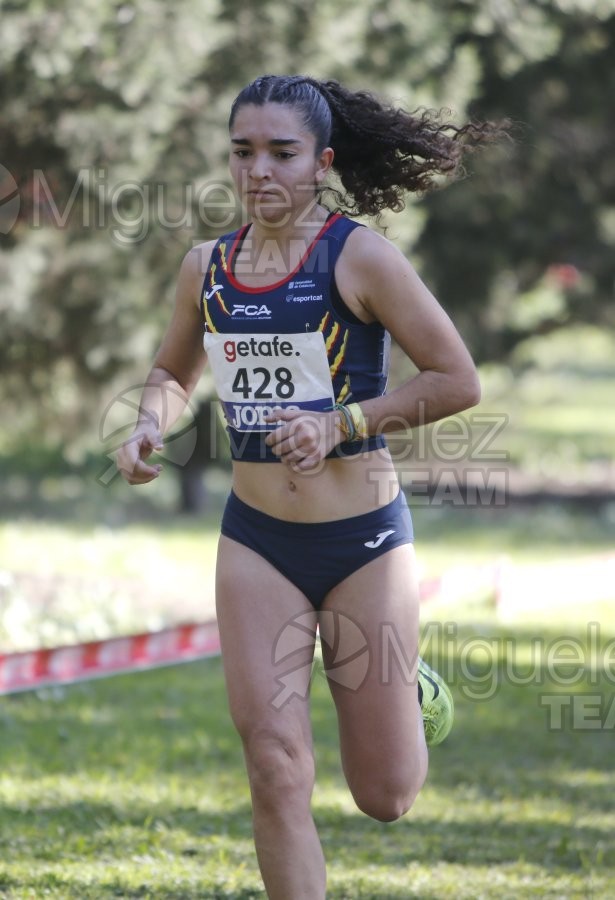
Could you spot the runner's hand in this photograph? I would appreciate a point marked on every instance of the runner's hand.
(302, 439)
(131, 455)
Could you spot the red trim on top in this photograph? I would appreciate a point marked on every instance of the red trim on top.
(271, 287)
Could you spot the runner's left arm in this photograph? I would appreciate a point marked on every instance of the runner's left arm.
(390, 291)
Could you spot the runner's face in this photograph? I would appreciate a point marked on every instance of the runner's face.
(273, 162)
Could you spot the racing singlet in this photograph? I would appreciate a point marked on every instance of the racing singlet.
(291, 344)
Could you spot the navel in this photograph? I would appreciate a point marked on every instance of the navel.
(292, 486)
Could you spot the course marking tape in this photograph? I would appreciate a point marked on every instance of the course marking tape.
(67, 664)
(71, 663)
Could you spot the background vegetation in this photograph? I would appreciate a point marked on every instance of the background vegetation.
(113, 123)
(112, 154)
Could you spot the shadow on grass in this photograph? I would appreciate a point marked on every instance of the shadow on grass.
(150, 763)
(56, 886)
(90, 828)
(96, 822)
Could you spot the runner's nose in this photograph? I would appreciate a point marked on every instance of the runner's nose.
(260, 169)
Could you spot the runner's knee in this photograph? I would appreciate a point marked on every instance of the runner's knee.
(280, 766)
(387, 796)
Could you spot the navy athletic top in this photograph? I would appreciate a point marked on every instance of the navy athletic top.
(307, 300)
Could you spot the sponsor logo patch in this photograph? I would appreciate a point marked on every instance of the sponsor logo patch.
(209, 294)
(304, 298)
(250, 311)
(380, 538)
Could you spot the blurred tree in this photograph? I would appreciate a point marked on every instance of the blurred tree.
(112, 122)
(526, 244)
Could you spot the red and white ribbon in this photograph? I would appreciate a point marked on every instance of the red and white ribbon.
(81, 662)
(32, 669)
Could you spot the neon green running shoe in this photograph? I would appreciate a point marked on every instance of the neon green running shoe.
(437, 705)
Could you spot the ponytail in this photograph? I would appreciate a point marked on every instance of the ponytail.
(381, 151)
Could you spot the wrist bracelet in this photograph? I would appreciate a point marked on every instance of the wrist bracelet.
(358, 421)
(347, 425)
(352, 421)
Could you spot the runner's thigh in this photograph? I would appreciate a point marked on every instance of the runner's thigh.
(267, 633)
(377, 704)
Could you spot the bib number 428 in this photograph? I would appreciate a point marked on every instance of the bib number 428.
(261, 384)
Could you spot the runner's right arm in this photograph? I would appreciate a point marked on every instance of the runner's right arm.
(177, 367)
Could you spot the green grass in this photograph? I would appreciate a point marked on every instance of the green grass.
(134, 787)
(557, 394)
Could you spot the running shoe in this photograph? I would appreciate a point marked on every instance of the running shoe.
(437, 705)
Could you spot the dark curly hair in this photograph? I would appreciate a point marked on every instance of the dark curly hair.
(381, 152)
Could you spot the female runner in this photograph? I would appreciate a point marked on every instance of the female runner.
(295, 311)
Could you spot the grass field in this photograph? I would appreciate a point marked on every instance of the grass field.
(134, 787)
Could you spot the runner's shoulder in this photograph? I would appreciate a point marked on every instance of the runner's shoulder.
(368, 248)
(196, 260)
(192, 273)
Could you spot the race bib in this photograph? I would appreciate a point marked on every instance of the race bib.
(255, 373)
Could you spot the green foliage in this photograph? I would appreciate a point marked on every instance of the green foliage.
(536, 215)
(112, 122)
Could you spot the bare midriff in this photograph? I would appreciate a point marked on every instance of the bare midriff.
(337, 489)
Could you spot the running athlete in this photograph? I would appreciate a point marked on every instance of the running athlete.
(294, 312)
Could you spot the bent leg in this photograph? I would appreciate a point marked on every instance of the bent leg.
(267, 632)
(382, 741)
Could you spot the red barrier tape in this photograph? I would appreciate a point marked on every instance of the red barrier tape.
(96, 659)
(530, 585)
(26, 671)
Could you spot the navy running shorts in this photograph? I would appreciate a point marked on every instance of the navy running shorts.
(316, 556)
